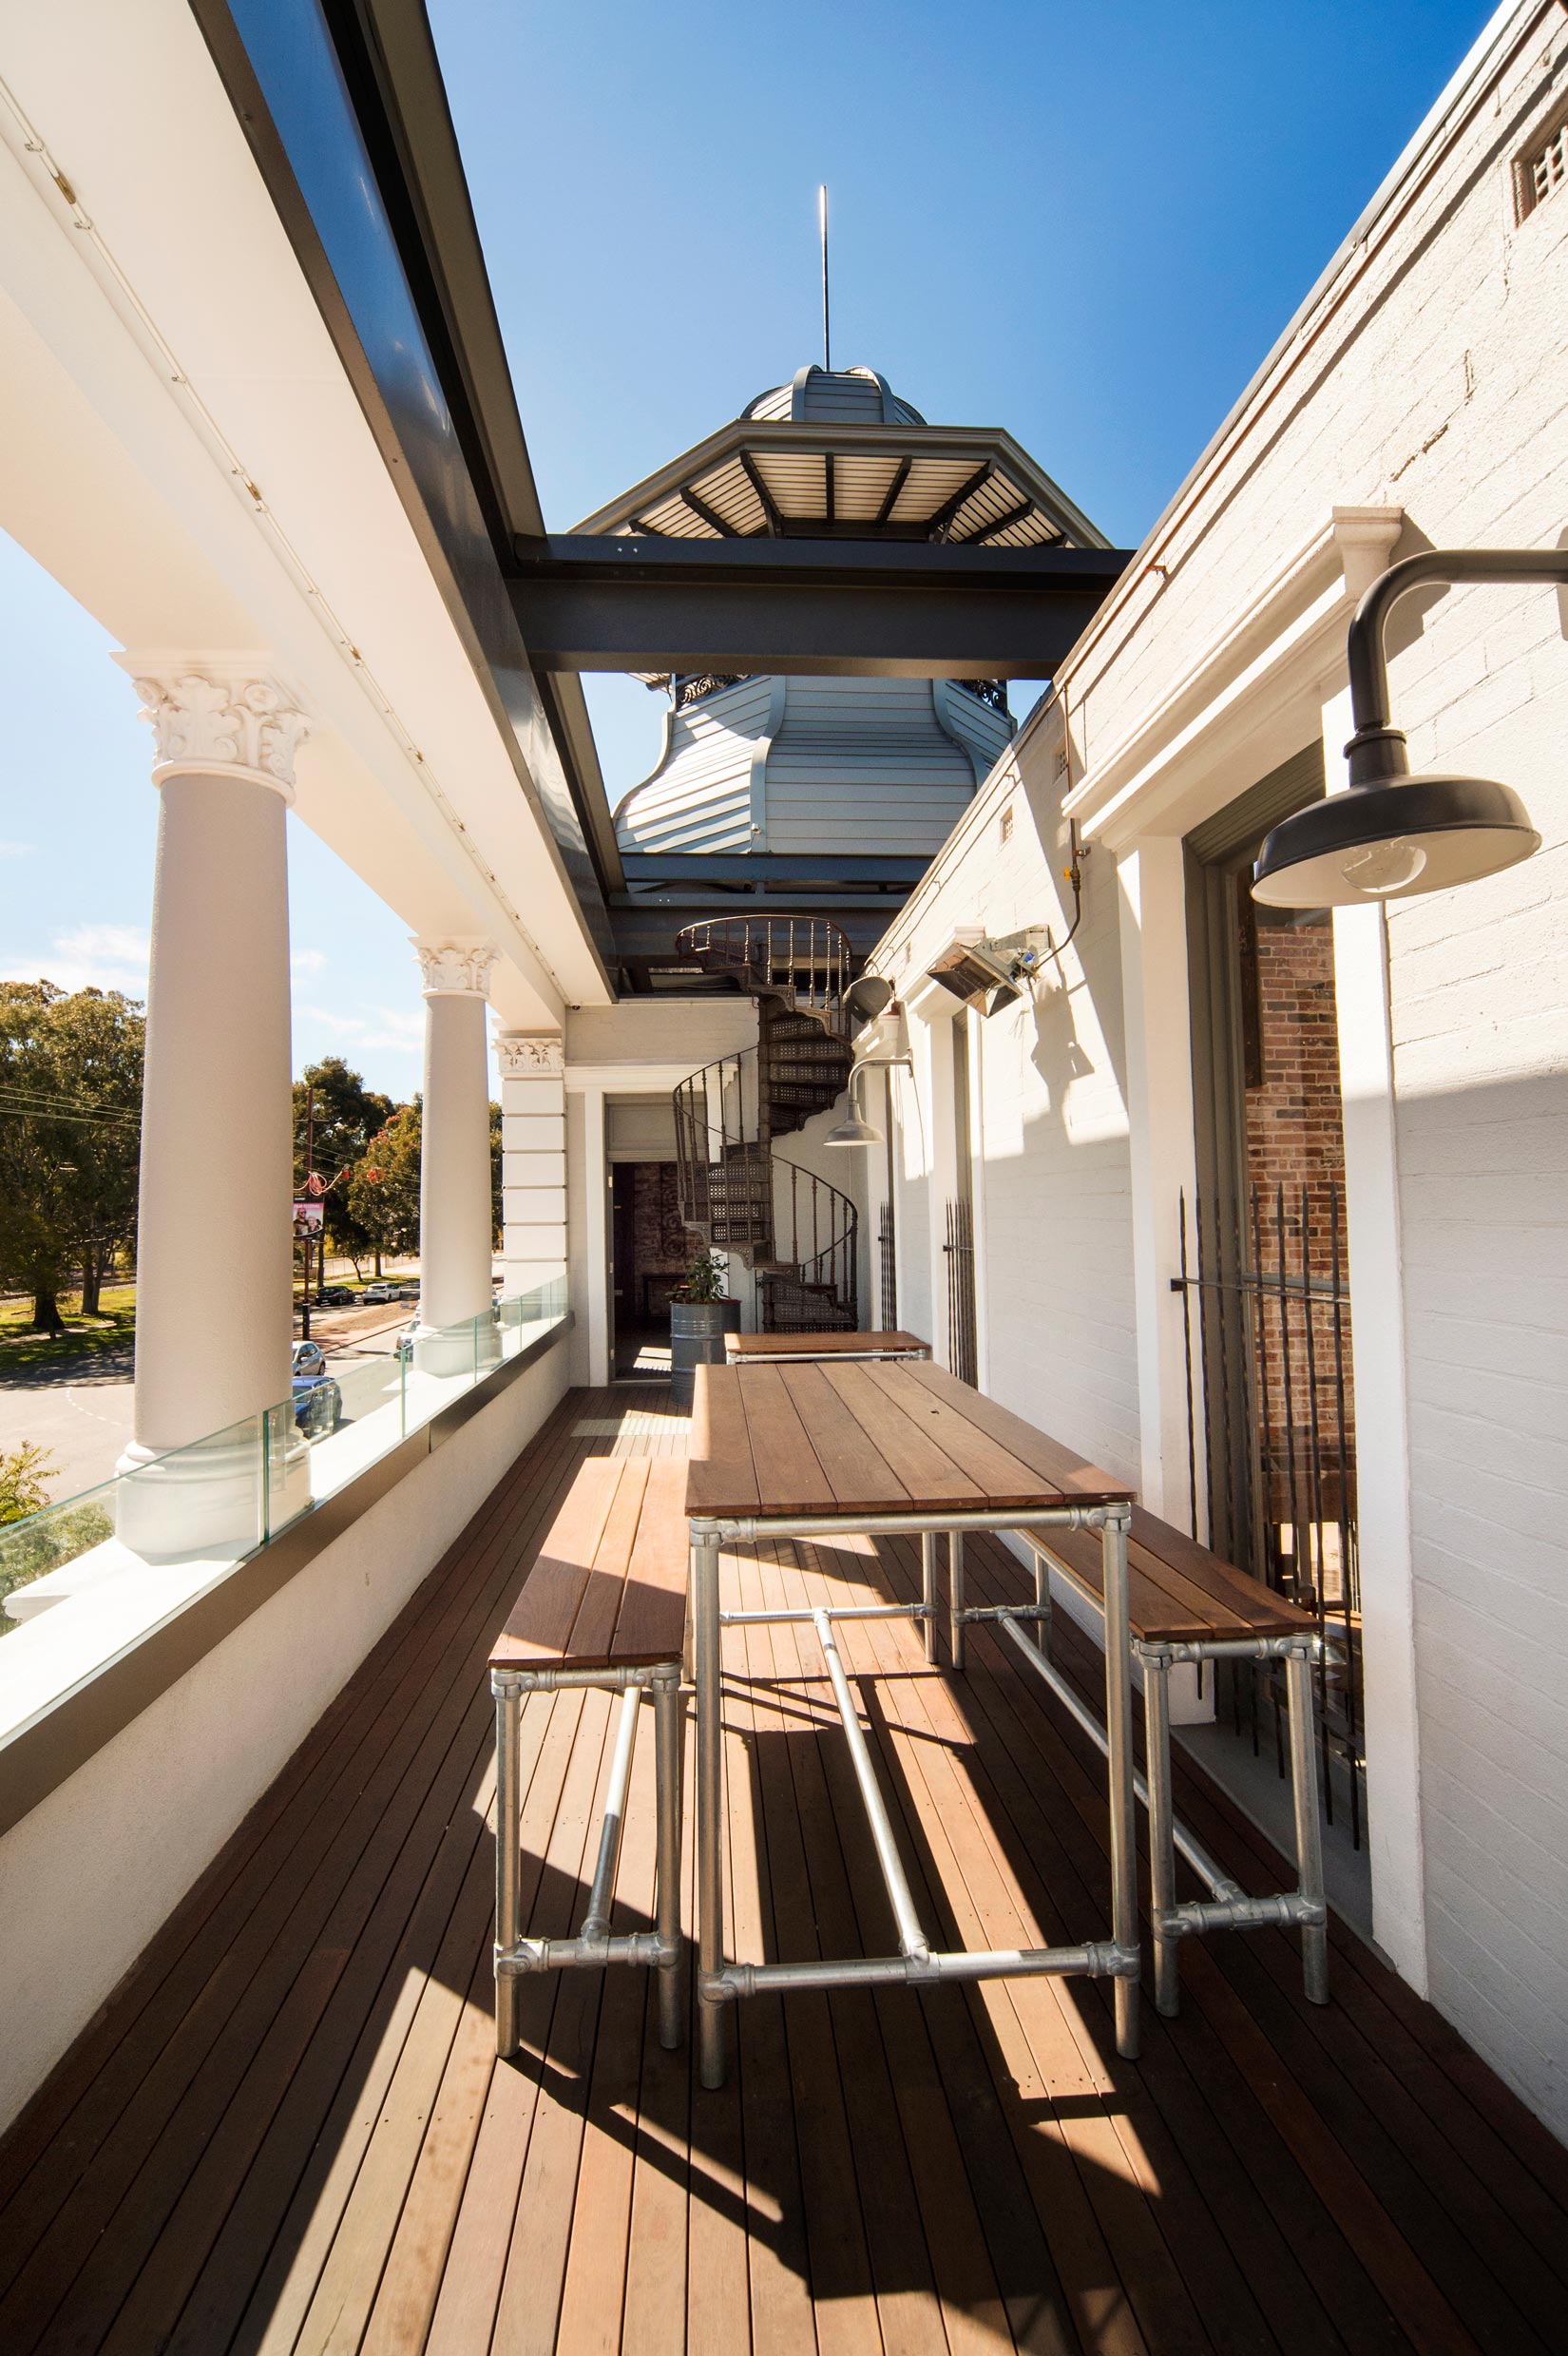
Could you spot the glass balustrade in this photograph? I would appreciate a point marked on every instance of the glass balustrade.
(88, 1577)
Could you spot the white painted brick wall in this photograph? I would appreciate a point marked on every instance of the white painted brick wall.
(661, 1030)
(1430, 373)
(1055, 1206)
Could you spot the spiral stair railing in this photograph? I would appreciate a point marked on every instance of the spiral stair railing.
(798, 1234)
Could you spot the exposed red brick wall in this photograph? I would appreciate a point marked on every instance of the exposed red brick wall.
(664, 1244)
(1295, 1139)
(1294, 1135)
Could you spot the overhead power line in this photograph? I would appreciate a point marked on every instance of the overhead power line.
(26, 1103)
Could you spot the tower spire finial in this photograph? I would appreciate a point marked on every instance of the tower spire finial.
(822, 226)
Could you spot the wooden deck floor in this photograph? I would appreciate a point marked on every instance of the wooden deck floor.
(288, 2130)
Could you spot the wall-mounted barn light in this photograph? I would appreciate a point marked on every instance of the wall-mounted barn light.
(854, 1129)
(1391, 835)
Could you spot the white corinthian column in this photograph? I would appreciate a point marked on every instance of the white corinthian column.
(214, 1249)
(455, 1174)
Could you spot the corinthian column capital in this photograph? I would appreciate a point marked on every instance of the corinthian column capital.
(454, 969)
(219, 716)
(530, 1055)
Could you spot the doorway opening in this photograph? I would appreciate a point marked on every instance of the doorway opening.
(651, 1249)
(1264, 1277)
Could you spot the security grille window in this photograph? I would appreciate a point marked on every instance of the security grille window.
(1544, 170)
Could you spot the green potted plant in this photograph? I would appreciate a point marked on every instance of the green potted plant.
(701, 1313)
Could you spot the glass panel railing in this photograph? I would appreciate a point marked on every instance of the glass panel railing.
(89, 1575)
(49, 1543)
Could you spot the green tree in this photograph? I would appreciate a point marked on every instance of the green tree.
(383, 1187)
(336, 1116)
(27, 1553)
(70, 1108)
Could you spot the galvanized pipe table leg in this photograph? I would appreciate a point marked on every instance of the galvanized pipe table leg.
(1314, 1936)
(955, 1594)
(1156, 1728)
(709, 1805)
(667, 1746)
(1043, 1598)
(1119, 1728)
(508, 1837)
(596, 1923)
(927, 1590)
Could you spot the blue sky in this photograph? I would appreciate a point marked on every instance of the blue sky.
(1084, 223)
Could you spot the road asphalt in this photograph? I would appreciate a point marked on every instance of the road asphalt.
(81, 1409)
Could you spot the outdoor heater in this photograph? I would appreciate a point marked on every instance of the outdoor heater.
(1390, 836)
(990, 974)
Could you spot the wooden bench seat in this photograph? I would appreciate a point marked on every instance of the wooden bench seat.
(603, 1604)
(608, 1588)
(1178, 1591)
(1182, 1595)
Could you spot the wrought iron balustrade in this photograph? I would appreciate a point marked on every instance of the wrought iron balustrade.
(963, 1335)
(1271, 1436)
(798, 1234)
(991, 692)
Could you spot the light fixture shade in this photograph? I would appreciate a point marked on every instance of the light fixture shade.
(1392, 842)
(851, 1130)
(867, 998)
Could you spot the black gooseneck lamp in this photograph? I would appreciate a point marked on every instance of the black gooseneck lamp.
(1391, 835)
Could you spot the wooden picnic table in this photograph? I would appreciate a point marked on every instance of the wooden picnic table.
(865, 1447)
(779, 1349)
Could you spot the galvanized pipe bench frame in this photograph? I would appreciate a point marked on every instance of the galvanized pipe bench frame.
(594, 1946)
(1228, 1906)
(917, 1963)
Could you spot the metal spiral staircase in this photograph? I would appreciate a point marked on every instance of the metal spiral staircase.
(797, 1234)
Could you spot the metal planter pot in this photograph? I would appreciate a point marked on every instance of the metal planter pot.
(697, 1338)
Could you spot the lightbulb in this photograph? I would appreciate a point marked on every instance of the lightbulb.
(1384, 868)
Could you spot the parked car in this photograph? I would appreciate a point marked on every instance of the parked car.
(318, 1399)
(337, 1296)
(378, 1293)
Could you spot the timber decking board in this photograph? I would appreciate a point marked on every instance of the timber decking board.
(288, 2130)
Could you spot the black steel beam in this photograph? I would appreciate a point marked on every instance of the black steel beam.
(900, 475)
(768, 505)
(698, 507)
(965, 491)
(770, 871)
(830, 608)
(647, 937)
(997, 523)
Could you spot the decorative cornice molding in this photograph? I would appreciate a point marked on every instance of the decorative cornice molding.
(531, 1055)
(454, 969)
(219, 716)
(1294, 622)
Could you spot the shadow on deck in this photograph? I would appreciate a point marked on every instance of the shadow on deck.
(288, 2130)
